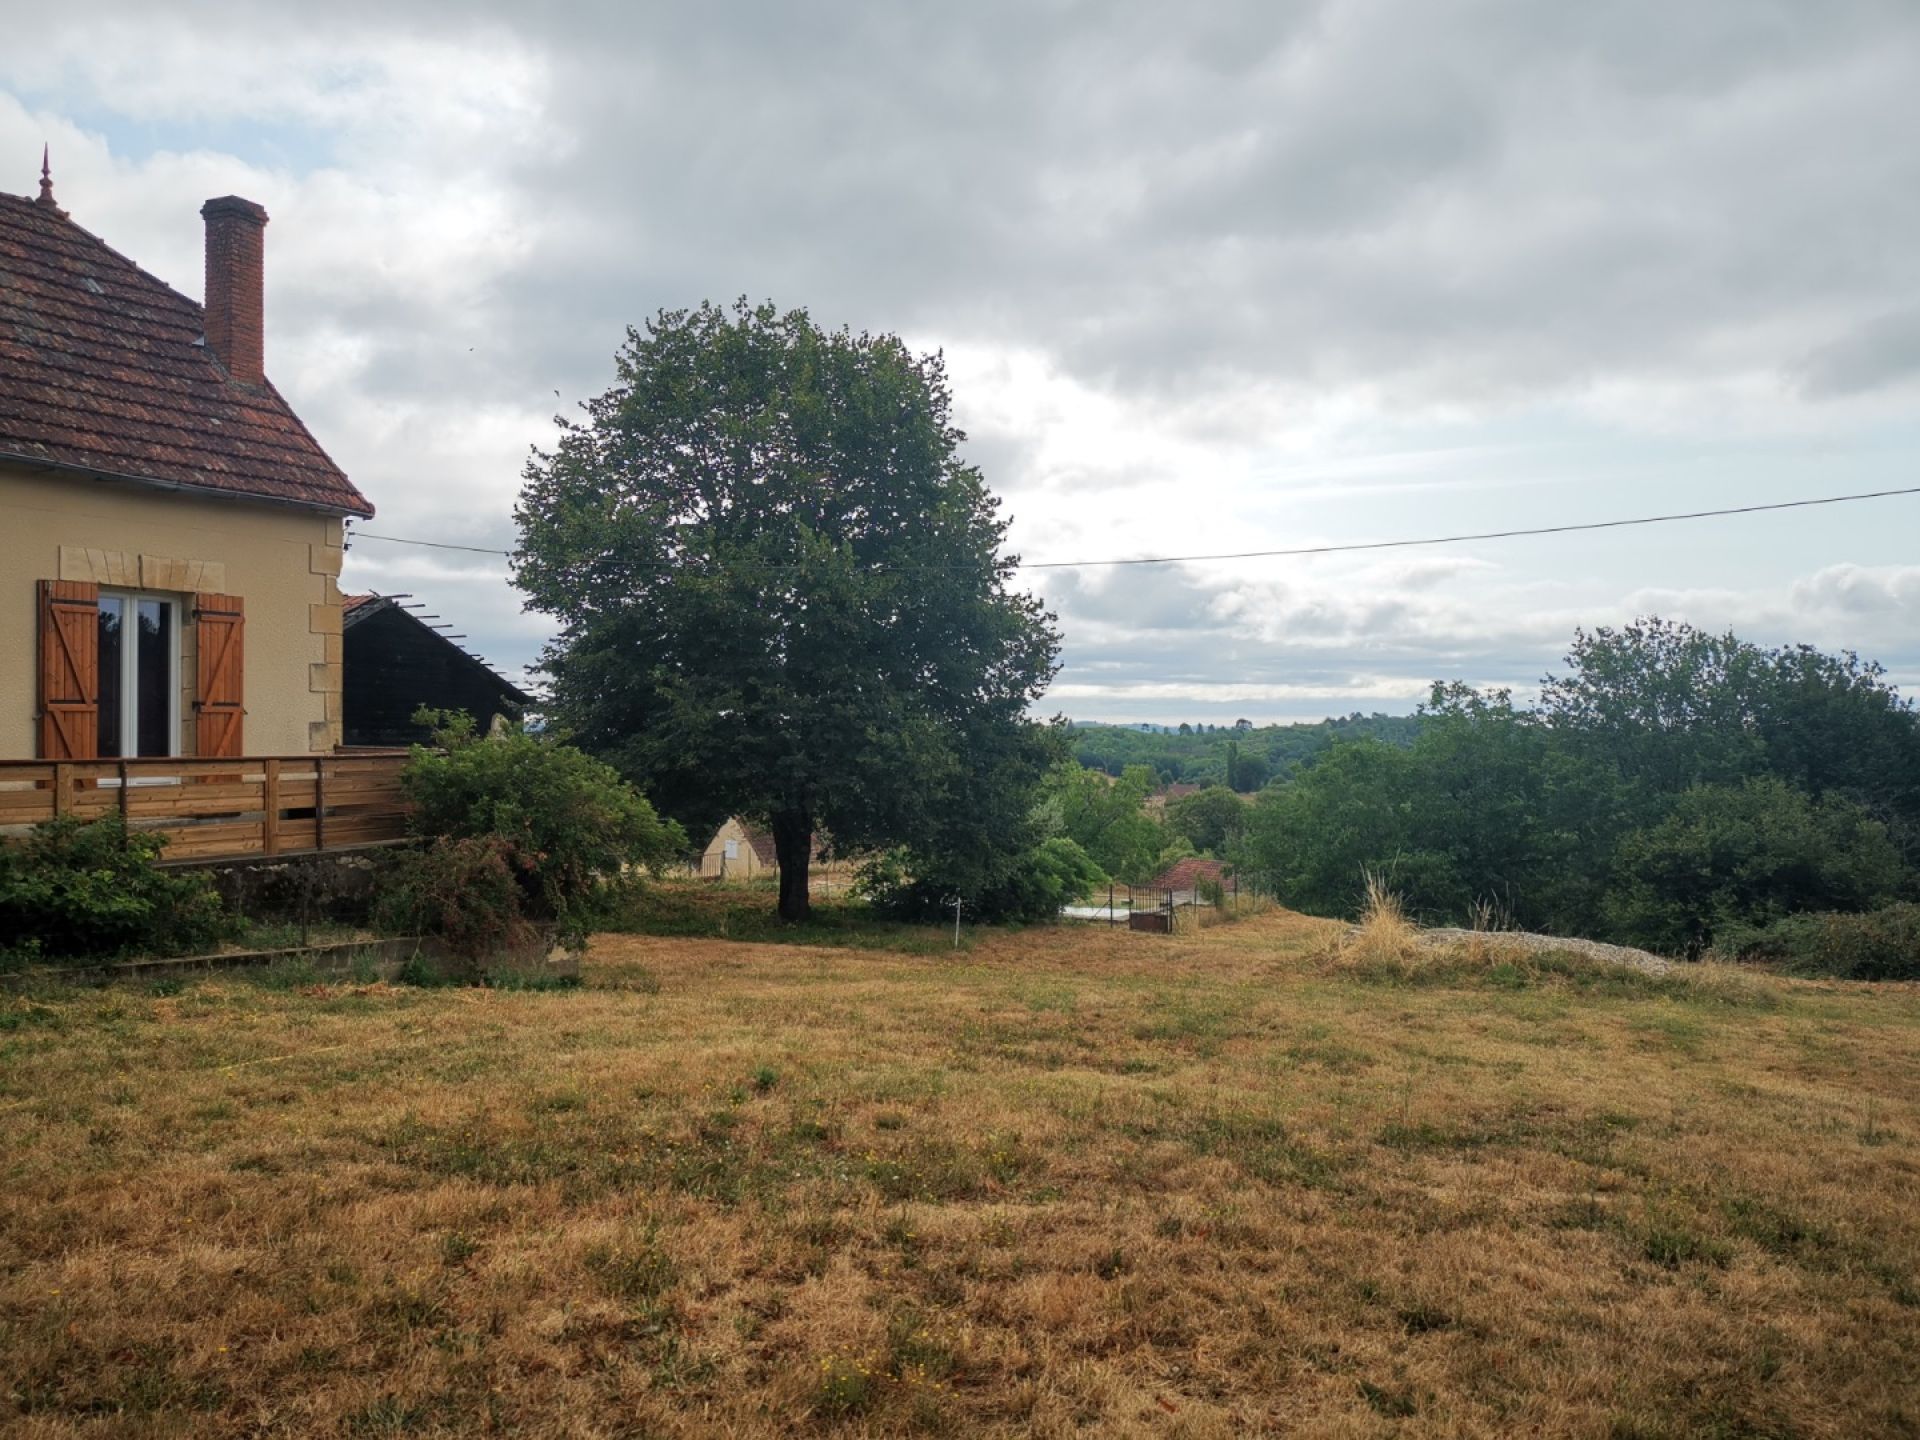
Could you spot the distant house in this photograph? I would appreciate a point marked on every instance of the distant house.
(1187, 876)
(395, 662)
(738, 851)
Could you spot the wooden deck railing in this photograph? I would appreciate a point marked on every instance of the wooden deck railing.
(219, 809)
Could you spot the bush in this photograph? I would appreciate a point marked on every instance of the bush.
(1030, 885)
(571, 832)
(466, 891)
(1749, 854)
(89, 890)
(1881, 944)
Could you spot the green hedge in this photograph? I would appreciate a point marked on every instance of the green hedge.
(90, 890)
(1879, 944)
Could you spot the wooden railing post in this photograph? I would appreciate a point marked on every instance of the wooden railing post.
(62, 801)
(319, 803)
(270, 808)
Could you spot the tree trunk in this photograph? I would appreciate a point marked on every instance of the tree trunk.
(793, 848)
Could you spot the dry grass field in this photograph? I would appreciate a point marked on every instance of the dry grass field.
(1065, 1181)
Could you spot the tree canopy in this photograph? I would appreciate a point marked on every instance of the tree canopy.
(1672, 786)
(781, 590)
(1105, 818)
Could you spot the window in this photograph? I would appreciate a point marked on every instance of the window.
(139, 674)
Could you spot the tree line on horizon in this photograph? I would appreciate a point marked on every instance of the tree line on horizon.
(1671, 788)
(1244, 757)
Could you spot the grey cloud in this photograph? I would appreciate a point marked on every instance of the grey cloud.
(1452, 201)
(1884, 592)
(1448, 202)
(1881, 353)
(1207, 217)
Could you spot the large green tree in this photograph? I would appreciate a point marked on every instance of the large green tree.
(1209, 818)
(1106, 817)
(782, 591)
(1670, 706)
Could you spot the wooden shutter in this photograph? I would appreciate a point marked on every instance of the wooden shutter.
(69, 670)
(217, 705)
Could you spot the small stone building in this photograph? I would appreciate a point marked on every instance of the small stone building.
(738, 851)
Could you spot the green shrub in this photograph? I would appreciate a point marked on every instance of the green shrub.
(570, 831)
(1746, 855)
(89, 890)
(466, 891)
(1881, 944)
(1030, 885)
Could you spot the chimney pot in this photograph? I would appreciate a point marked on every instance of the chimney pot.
(236, 284)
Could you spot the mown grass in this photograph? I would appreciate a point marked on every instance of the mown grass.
(1067, 1181)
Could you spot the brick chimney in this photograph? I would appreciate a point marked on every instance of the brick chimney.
(236, 280)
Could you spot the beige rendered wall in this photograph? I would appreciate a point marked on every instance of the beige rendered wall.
(744, 865)
(283, 562)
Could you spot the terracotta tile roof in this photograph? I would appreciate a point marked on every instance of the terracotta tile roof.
(1189, 873)
(351, 603)
(104, 369)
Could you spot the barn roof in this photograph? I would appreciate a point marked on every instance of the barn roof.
(762, 843)
(105, 372)
(763, 847)
(357, 610)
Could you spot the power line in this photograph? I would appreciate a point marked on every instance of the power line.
(430, 544)
(1349, 546)
(1481, 535)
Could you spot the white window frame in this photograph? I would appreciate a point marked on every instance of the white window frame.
(129, 650)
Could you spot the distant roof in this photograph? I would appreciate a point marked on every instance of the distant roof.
(105, 371)
(1189, 873)
(358, 609)
(763, 846)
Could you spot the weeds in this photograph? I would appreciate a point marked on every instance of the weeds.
(636, 1271)
(847, 1386)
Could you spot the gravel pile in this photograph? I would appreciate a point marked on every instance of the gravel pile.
(1533, 944)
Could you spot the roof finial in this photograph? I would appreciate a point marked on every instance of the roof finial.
(46, 200)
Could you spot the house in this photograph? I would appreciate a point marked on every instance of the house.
(170, 617)
(1185, 877)
(167, 569)
(396, 662)
(739, 851)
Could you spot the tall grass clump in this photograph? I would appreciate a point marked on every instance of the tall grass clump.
(1384, 936)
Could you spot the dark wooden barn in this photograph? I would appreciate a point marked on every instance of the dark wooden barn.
(395, 662)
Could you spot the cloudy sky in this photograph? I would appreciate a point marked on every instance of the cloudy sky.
(1266, 275)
